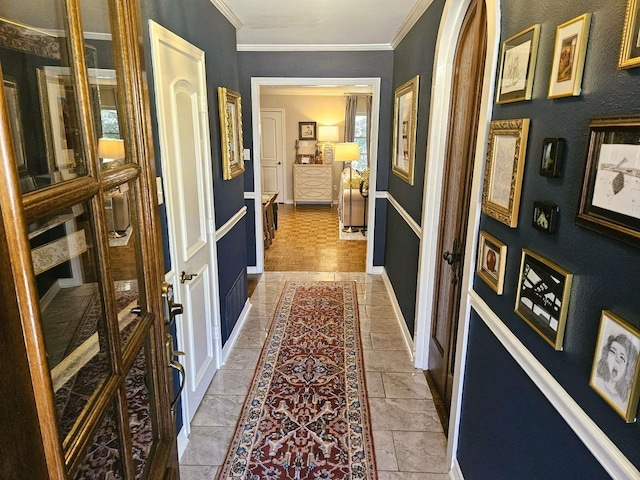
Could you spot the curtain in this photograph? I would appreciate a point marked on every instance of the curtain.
(368, 101)
(350, 117)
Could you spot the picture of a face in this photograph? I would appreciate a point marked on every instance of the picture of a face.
(617, 361)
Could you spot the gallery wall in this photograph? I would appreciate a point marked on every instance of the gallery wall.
(508, 429)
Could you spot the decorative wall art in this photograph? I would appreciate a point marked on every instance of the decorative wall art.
(405, 117)
(307, 130)
(551, 161)
(615, 370)
(630, 45)
(504, 169)
(610, 201)
(230, 111)
(15, 123)
(543, 296)
(545, 217)
(568, 57)
(492, 259)
(517, 66)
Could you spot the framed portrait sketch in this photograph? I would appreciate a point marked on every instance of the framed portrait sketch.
(630, 45)
(492, 259)
(307, 130)
(568, 57)
(230, 110)
(551, 160)
(543, 296)
(517, 66)
(610, 200)
(615, 370)
(405, 117)
(504, 169)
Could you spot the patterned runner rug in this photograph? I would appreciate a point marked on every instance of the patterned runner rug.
(306, 415)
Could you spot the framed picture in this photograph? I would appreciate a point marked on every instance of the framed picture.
(568, 57)
(615, 370)
(630, 46)
(405, 118)
(517, 66)
(543, 296)
(230, 110)
(610, 200)
(307, 130)
(492, 259)
(551, 161)
(504, 169)
(545, 217)
(15, 123)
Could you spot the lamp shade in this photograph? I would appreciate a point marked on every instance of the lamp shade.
(111, 148)
(328, 133)
(347, 152)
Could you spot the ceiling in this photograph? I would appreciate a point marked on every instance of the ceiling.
(321, 24)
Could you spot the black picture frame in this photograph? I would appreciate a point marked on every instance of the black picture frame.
(517, 66)
(545, 216)
(307, 130)
(551, 158)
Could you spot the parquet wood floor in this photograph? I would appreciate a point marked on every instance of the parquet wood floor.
(307, 241)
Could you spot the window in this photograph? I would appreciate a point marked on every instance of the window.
(360, 136)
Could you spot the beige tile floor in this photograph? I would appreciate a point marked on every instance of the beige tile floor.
(408, 437)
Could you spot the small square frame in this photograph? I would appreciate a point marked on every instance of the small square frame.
(307, 130)
(630, 44)
(620, 340)
(551, 159)
(545, 216)
(492, 259)
(543, 296)
(517, 66)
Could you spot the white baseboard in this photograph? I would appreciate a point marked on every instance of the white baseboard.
(455, 473)
(233, 338)
(377, 271)
(408, 340)
(253, 270)
(183, 441)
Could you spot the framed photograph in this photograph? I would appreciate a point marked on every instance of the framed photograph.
(15, 123)
(543, 296)
(568, 57)
(551, 161)
(517, 66)
(307, 130)
(610, 200)
(230, 110)
(492, 259)
(615, 370)
(504, 169)
(545, 217)
(405, 118)
(630, 46)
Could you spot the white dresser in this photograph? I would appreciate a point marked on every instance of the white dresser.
(312, 183)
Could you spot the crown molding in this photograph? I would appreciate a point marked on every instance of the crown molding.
(415, 14)
(247, 47)
(224, 9)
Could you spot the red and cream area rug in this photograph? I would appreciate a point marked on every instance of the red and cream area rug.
(306, 415)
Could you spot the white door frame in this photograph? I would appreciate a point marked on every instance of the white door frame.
(157, 31)
(256, 83)
(283, 137)
(448, 34)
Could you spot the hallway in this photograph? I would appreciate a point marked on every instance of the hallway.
(409, 441)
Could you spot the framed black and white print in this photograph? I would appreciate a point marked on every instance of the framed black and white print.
(545, 216)
(517, 66)
(543, 296)
(630, 45)
(307, 130)
(610, 200)
(615, 371)
(551, 161)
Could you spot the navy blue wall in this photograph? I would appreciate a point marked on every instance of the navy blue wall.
(319, 65)
(414, 56)
(605, 270)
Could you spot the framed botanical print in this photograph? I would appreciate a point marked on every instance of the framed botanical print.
(504, 169)
(230, 110)
(492, 259)
(568, 57)
(630, 45)
(517, 66)
(405, 117)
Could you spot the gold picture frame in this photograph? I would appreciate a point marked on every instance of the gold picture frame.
(618, 345)
(504, 169)
(630, 45)
(543, 296)
(405, 118)
(230, 110)
(12, 98)
(569, 53)
(492, 260)
(518, 65)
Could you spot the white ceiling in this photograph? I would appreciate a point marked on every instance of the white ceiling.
(321, 24)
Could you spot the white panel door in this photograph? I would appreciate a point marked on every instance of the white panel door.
(180, 82)
(272, 157)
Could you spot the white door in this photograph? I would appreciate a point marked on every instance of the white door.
(272, 156)
(180, 85)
